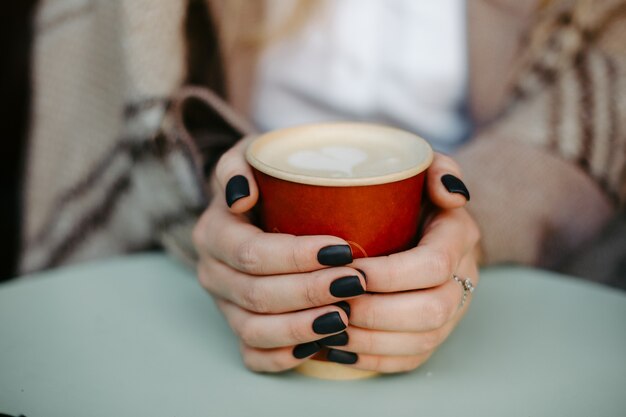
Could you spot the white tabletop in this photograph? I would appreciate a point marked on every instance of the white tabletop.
(137, 336)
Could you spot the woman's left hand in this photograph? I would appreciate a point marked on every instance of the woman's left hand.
(413, 301)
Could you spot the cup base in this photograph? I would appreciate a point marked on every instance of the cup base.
(332, 371)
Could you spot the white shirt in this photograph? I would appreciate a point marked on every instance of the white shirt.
(398, 62)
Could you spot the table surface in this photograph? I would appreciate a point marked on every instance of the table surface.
(138, 336)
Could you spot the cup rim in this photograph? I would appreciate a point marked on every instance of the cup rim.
(336, 182)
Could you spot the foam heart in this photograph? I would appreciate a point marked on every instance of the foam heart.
(328, 158)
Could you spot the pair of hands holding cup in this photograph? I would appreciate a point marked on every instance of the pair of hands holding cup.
(286, 297)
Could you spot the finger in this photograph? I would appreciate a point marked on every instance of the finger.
(385, 343)
(409, 311)
(385, 351)
(275, 360)
(382, 364)
(412, 311)
(280, 330)
(246, 248)
(445, 187)
(468, 269)
(235, 178)
(280, 293)
(381, 342)
(447, 239)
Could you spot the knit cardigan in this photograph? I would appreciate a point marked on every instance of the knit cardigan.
(121, 146)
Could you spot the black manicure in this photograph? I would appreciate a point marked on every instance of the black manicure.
(328, 323)
(346, 287)
(341, 356)
(362, 273)
(344, 306)
(455, 185)
(304, 350)
(340, 339)
(236, 189)
(335, 255)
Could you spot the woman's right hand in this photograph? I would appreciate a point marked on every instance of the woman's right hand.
(276, 291)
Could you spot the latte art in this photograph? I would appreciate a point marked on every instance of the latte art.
(340, 154)
(336, 160)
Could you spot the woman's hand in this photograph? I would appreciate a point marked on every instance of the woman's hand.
(413, 303)
(277, 292)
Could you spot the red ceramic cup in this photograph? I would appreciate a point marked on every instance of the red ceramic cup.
(361, 182)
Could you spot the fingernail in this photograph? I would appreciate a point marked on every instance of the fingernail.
(328, 323)
(304, 350)
(341, 356)
(236, 188)
(335, 255)
(455, 185)
(362, 273)
(346, 287)
(340, 339)
(344, 306)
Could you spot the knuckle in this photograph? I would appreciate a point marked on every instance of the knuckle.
(430, 341)
(369, 341)
(248, 333)
(299, 252)
(280, 363)
(247, 356)
(204, 231)
(251, 364)
(378, 363)
(311, 293)
(247, 257)
(254, 298)
(440, 264)
(437, 313)
(204, 277)
(258, 361)
(412, 364)
(371, 317)
(395, 270)
(296, 332)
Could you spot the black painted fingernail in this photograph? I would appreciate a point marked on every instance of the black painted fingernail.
(335, 255)
(455, 185)
(362, 273)
(344, 306)
(341, 356)
(237, 188)
(340, 339)
(304, 350)
(346, 287)
(328, 323)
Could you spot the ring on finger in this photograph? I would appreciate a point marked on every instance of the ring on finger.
(467, 286)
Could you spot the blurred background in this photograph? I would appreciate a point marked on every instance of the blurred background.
(603, 260)
(16, 19)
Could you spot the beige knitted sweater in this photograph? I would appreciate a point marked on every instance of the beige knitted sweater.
(119, 150)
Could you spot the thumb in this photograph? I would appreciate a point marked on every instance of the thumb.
(443, 182)
(235, 180)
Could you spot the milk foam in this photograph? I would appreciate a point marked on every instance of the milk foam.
(328, 158)
(338, 158)
(340, 154)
